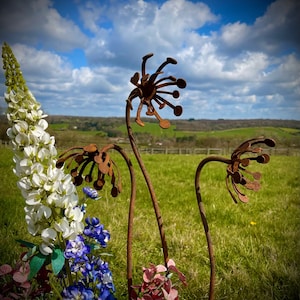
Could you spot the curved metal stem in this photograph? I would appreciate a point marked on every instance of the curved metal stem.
(148, 182)
(130, 214)
(204, 220)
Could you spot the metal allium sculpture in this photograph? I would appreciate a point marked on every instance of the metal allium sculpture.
(147, 91)
(236, 166)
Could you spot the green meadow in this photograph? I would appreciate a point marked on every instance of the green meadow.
(257, 244)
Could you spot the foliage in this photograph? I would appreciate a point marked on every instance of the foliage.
(157, 283)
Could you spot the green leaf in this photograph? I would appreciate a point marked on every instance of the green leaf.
(57, 260)
(26, 244)
(36, 263)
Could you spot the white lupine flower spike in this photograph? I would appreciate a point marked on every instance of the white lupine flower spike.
(51, 201)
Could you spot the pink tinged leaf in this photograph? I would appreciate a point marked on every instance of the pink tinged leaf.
(171, 263)
(5, 269)
(20, 277)
(173, 295)
(180, 274)
(147, 275)
(159, 278)
(168, 285)
(161, 268)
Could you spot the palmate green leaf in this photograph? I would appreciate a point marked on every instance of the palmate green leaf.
(36, 263)
(57, 260)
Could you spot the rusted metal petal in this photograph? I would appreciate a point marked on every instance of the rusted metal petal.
(164, 124)
(243, 198)
(90, 148)
(176, 94)
(88, 178)
(263, 159)
(79, 159)
(253, 185)
(60, 162)
(177, 110)
(245, 162)
(114, 191)
(135, 78)
(181, 83)
(74, 172)
(256, 175)
(229, 190)
(237, 177)
(78, 180)
(270, 142)
(98, 185)
(102, 161)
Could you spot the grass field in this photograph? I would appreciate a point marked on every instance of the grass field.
(257, 245)
(277, 133)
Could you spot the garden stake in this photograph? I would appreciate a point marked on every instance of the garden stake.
(234, 167)
(147, 91)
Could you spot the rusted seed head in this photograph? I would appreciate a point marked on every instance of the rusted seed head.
(148, 88)
(238, 164)
(90, 155)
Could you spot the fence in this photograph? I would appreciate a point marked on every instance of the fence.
(216, 151)
(205, 151)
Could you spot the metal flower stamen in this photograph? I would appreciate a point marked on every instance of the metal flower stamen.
(148, 89)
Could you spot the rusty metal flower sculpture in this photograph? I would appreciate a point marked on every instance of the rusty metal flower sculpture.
(82, 157)
(149, 88)
(91, 155)
(236, 167)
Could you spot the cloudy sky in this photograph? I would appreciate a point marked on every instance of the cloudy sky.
(240, 58)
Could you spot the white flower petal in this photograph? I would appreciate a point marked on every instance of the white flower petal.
(45, 249)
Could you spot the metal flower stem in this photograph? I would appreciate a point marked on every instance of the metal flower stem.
(148, 182)
(130, 214)
(204, 220)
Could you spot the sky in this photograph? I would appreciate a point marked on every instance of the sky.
(240, 59)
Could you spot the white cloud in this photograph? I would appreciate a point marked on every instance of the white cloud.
(234, 34)
(36, 22)
(239, 71)
(271, 33)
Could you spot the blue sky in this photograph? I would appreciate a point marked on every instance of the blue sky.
(240, 58)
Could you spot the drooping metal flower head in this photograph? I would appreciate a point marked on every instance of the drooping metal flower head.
(238, 164)
(148, 90)
(81, 157)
